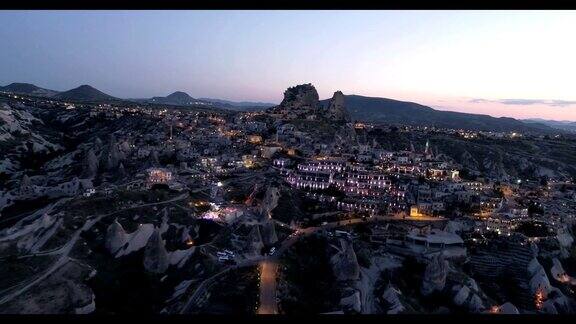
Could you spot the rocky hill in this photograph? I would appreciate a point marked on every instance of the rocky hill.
(391, 111)
(565, 125)
(240, 105)
(28, 89)
(177, 98)
(300, 97)
(302, 102)
(84, 93)
(526, 158)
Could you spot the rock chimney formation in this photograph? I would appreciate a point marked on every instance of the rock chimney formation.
(344, 263)
(435, 275)
(155, 254)
(337, 109)
(90, 165)
(270, 201)
(25, 183)
(98, 143)
(153, 161)
(116, 237)
(121, 171)
(111, 155)
(254, 241)
(268, 233)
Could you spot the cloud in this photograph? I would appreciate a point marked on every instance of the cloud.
(562, 103)
(479, 100)
(526, 102)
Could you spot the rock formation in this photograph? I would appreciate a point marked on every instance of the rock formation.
(346, 135)
(336, 108)
(26, 188)
(90, 167)
(155, 254)
(468, 297)
(351, 302)
(81, 297)
(268, 232)
(270, 200)
(153, 161)
(392, 296)
(475, 304)
(179, 257)
(344, 263)
(539, 281)
(558, 303)
(508, 308)
(435, 275)
(114, 159)
(116, 237)
(98, 142)
(62, 291)
(565, 239)
(120, 243)
(111, 155)
(254, 241)
(462, 295)
(300, 96)
(121, 170)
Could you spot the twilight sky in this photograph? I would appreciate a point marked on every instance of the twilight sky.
(502, 63)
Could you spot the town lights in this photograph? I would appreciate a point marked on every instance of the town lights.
(539, 299)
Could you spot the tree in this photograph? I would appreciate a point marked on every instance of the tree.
(498, 192)
(543, 181)
(534, 208)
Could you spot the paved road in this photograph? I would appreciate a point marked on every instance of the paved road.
(207, 283)
(268, 271)
(269, 268)
(269, 265)
(64, 251)
(33, 215)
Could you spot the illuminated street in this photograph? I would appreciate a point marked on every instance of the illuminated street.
(268, 271)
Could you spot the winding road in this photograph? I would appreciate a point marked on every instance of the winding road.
(65, 250)
(268, 265)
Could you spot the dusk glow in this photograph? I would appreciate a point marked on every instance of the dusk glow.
(451, 60)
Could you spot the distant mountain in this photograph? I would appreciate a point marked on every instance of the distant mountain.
(409, 113)
(84, 93)
(28, 89)
(177, 98)
(563, 125)
(180, 98)
(241, 104)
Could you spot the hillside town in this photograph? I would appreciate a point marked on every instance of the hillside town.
(116, 207)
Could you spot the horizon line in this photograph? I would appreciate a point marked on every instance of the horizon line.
(434, 107)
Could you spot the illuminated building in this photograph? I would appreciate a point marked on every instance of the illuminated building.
(158, 176)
